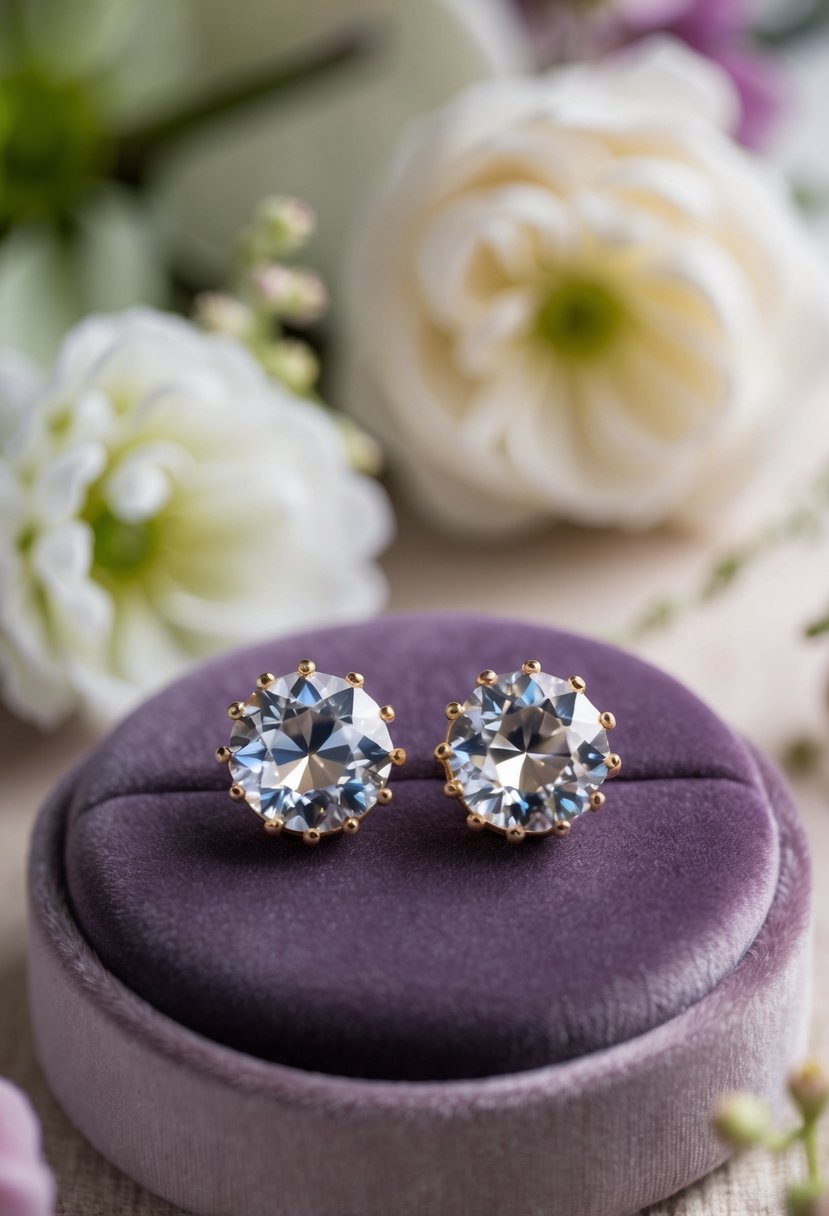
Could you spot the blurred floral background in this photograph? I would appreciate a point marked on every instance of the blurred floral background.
(570, 274)
(309, 308)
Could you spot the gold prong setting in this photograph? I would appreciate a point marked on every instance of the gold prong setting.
(547, 708)
(277, 710)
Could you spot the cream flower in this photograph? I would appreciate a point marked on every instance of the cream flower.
(576, 298)
(161, 500)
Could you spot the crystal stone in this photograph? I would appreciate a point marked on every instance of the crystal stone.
(312, 751)
(528, 751)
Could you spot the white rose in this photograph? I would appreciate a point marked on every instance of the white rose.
(576, 298)
(161, 499)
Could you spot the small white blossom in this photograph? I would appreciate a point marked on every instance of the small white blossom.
(280, 227)
(576, 298)
(221, 313)
(290, 294)
(291, 361)
(161, 499)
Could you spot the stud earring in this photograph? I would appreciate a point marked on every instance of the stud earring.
(310, 753)
(525, 754)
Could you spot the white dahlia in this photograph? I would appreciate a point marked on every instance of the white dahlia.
(161, 499)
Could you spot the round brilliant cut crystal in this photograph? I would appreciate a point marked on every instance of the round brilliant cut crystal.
(528, 751)
(311, 751)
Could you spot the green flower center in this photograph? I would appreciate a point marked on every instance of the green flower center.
(52, 146)
(580, 318)
(121, 548)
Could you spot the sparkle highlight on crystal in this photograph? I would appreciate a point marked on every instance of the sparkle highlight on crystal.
(311, 752)
(528, 751)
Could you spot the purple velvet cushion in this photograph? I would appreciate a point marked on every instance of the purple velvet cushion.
(418, 950)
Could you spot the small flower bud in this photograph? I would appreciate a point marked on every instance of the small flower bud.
(281, 226)
(809, 1088)
(807, 1199)
(293, 362)
(220, 313)
(294, 295)
(364, 452)
(742, 1120)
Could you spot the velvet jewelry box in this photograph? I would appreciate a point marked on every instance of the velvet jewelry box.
(418, 1020)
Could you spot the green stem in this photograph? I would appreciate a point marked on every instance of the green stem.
(779, 1142)
(136, 149)
(810, 1145)
(817, 628)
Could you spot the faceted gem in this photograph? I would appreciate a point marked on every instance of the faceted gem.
(528, 751)
(311, 750)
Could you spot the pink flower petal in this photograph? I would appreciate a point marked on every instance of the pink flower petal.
(26, 1185)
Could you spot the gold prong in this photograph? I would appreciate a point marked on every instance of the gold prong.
(265, 680)
(607, 720)
(531, 668)
(613, 762)
(454, 710)
(562, 828)
(274, 827)
(397, 756)
(387, 713)
(351, 826)
(384, 796)
(235, 709)
(355, 679)
(223, 754)
(475, 823)
(311, 837)
(487, 676)
(442, 752)
(306, 667)
(453, 789)
(597, 800)
(577, 683)
(237, 793)
(516, 834)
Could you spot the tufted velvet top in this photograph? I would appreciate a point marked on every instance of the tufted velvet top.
(418, 950)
